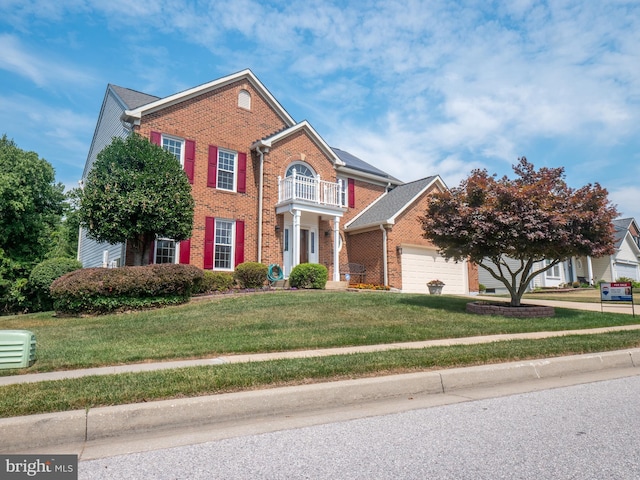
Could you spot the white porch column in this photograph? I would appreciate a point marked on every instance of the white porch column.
(591, 280)
(574, 269)
(336, 253)
(296, 238)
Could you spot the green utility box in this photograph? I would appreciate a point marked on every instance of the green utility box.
(17, 349)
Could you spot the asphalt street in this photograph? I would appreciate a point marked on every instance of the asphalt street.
(586, 431)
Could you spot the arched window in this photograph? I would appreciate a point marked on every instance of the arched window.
(301, 170)
(244, 99)
(304, 181)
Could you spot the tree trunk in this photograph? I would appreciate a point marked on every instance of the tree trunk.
(140, 247)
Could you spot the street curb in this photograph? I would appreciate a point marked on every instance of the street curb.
(78, 427)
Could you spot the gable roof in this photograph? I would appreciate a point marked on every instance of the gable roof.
(621, 227)
(132, 98)
(136, 113)
(386, 209)
(351, 162)
(304, 126)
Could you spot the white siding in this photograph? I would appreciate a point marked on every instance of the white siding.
(109, 125)
(490, 283)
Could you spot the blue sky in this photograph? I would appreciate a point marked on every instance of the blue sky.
(415, 88)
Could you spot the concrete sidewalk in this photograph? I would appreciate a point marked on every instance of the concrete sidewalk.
(83, 430)
(260, 357)
(107, 431)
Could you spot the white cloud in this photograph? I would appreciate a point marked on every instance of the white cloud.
(43, 69)
(60, 136)
(626, 199)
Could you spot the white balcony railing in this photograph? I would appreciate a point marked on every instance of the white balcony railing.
(313, 190)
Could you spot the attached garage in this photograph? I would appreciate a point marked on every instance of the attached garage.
(420, 265)
(627, 270)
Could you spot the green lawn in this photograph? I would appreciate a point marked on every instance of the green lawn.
(276, 322)
(582, 295)
(271, 322)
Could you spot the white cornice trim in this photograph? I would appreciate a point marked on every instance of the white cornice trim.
(305, 126)
(247, 74)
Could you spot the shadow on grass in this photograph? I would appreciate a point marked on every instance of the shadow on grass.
(449, 303)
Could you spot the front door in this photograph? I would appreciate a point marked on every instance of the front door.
(308, 246)
(304, 245)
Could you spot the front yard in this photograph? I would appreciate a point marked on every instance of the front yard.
(276, 322)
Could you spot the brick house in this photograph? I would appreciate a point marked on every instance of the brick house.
(269, 189)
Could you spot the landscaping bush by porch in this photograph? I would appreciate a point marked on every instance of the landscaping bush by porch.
(216, 282)
(251, 274)
(308, 275)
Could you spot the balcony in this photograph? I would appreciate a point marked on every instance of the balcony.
(299, 188)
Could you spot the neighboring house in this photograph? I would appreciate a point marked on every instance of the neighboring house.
(269, 189)
(587, 270)
(623, 263)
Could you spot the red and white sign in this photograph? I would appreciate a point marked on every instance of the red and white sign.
(616, 292)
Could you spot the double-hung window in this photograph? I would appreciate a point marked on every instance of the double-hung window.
(165, 251)
(174, 146)
(227, 166)
(223, 245)
(165, 248)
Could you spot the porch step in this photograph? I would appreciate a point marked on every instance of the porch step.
(336, 285)
(281, 284)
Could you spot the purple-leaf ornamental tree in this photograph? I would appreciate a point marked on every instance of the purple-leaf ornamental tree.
(531, 218)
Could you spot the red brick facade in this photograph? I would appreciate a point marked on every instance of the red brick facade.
(212, 117)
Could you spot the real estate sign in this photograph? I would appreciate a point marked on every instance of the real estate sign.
(616, 292)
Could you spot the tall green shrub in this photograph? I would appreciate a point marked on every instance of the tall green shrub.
(308, 275)
(43, 275)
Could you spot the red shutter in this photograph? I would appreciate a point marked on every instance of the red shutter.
(239, 242)
(242, 172)
(209, 238)
(185, 251)
(351, 192)
(156, 138)
(189, 159)
(213, 166)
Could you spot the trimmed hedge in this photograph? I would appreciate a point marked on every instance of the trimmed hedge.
(251, 274)
(105, 290)
(308, 275)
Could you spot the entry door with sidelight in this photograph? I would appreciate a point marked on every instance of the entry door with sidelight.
(308, 247)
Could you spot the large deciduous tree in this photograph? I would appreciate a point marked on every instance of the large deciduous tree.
(31, 204)
(531, 218)
(135, 192)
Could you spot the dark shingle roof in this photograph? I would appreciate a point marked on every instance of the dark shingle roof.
(132, 98)
(391, 204)
(621, 227)
(356, 163)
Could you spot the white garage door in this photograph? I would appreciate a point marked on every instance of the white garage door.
(420, 265)
(626, 270)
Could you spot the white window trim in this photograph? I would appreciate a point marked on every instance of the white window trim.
(235, 170)
(304, 164)
(244, 99)
(344, 193)
(176, 139)
(176, 249)
(551, 272)
(233, 244)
